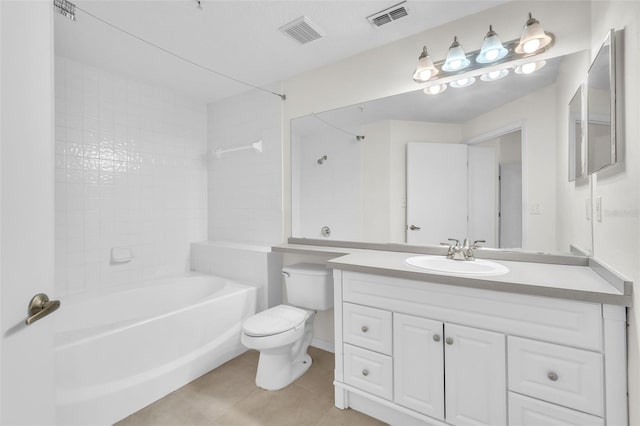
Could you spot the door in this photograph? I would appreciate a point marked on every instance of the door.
(436, 192)
(476, 388)
(418, 364)
(26, 210)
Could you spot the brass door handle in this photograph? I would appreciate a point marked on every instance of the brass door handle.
(414, 228)
(39, 307)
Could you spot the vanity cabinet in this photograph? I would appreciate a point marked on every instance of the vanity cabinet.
(414, 352)
(429, 353)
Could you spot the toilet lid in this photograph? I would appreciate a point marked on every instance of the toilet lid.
(275, 320)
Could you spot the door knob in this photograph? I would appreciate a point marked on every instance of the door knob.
(414, 228)
(39, 307)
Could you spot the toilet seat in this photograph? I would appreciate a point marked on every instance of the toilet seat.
(276, 320)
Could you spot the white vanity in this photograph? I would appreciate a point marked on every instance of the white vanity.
(544, 344)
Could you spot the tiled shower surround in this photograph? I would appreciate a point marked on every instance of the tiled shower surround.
(131, 171)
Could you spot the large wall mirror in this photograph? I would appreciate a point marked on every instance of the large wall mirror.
(477, 162)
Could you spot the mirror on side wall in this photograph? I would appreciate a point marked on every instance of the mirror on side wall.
(577, 157)
(491, 163)
(601, 111)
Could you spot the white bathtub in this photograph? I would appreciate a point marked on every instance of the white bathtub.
(118, 350)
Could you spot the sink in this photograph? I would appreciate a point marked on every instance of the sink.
(442, 265)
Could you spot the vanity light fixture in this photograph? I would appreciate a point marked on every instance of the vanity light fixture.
(492, 49)
(435, 89)
(456, 58)
(533, 37)
(529, 67)
(425, 69)
(494, 75)
(463, 82)
(464, 68)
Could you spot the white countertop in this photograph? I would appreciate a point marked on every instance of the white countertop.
(542, 279)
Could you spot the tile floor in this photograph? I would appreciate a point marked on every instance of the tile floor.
(228, 396)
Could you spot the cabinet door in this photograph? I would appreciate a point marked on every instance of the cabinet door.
(418, 363)
(475, 371)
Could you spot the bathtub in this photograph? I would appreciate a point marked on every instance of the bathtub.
(117, 350)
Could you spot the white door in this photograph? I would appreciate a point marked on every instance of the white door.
(475, 377)
(436, 192)
(483, 195)
(418, 364)
(26, 210)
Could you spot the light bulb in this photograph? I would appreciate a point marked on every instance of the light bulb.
(494, 75)
(531, 45)
(435, 89)
(463, 82)
(528, 68)
(492, 54)
(425, 75)
(455, 64)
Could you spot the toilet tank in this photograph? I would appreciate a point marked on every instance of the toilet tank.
(309, 285)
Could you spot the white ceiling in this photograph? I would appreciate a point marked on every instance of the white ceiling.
(238, 38)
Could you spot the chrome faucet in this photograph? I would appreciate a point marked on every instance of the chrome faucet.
(465, 252)
(455, 251)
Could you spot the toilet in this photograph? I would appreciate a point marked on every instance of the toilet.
(283, 333)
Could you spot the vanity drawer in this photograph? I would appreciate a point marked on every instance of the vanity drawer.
(559, 374)
(367, 327)
(525, 411)
(370, 371)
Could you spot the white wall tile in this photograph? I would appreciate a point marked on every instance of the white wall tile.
(127, 173)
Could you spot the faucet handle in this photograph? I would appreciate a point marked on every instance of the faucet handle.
(453, 239)
(475, 243)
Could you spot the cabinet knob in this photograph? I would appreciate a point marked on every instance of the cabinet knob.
(552, 376)
(364, 329)
(365, 372)
(436, 338)
(449, 341)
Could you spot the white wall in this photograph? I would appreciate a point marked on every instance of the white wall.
(617, 238)
(245, 187)
(130, 171)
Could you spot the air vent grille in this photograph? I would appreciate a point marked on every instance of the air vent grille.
(390, 14)
(302, 30)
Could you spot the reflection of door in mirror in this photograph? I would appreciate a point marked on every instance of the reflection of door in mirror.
(436, 192)
(479, 187)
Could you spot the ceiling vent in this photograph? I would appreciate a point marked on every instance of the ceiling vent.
(303, 30)
(390, 14)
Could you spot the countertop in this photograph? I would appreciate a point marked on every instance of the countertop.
(573, 282)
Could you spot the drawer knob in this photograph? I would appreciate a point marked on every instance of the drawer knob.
(364, 329)
(436, 337)
(449, 341)
(552, 376)
(365, 372)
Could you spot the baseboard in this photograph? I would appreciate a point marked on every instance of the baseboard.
(324, 345)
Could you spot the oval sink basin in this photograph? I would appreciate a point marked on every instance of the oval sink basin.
(442, 265)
